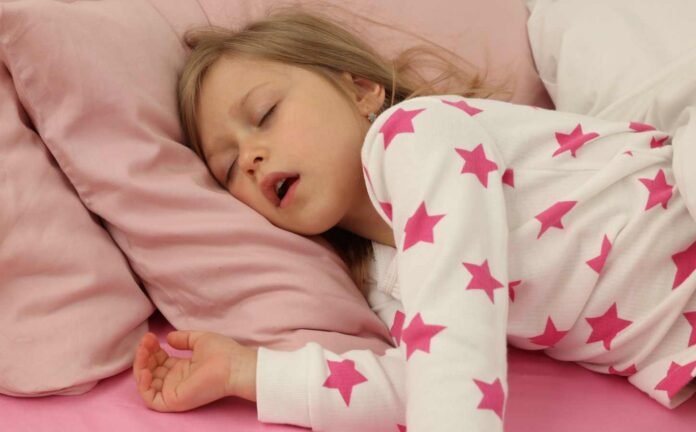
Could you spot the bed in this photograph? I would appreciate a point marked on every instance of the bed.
(113, 227)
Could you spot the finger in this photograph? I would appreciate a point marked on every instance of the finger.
(144, 381)
(149, 340)
(183, 340)
(141, 352)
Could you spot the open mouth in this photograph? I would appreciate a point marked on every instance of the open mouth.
(282, 187)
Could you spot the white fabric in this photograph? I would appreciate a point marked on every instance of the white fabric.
(616, 59)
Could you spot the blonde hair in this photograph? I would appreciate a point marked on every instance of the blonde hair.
(315, 42)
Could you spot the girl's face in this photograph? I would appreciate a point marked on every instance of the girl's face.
(286, 142)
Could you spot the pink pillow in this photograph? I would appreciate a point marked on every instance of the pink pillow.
(99, 81)
(70, 311)
(491, 34)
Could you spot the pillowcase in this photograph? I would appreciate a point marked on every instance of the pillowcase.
(490, 34)
(619, 60)
(99, 81)
(71, 312)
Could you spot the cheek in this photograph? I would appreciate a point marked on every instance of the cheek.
(240, 191)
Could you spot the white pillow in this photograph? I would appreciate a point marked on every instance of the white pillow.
(617, 59)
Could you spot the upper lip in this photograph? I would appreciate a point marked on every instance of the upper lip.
(269, 182)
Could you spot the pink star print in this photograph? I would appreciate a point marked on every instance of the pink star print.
(658, 142)
(462, 105)
(493, 396)
(625, 372)
(420, 226)
(509, 177)
(401, 121)
(417, 335)
(677, 377)
(550, 337)
(551, 217)
(386, 208)
(475, 162)
(660, 191)
(606, 327)
(573, 141)
(597, 263)
(691, 317)
(343, 377)
(686, 264)
(397, 326)
(641, 127)
(511, 288)
(482, 279)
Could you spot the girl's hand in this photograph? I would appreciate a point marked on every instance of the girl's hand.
(219, 367)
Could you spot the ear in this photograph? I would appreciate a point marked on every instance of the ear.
(367, 95)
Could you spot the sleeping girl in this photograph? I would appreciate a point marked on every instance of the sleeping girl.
(482, 222)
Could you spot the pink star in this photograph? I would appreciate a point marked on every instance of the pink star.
(509, 177)
(462, 105)
(597, 263)
(677, 377)
(417, 335)
(660, 191)
(482, 279)
(386, 208)
(401, 121)
(511, 289)
(573, 141)
(551, 217)
(641, 127)
(475, 162)
(419, 227)
(606, 327)
(344, 377)
(626, 372)
(691, 317)
(658, 142)
(493, 396)
(686, 264)
(397, 326)
(550, 337)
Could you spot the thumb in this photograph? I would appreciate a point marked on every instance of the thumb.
(183, 340)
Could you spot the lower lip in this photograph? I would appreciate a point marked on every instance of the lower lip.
(287, 199)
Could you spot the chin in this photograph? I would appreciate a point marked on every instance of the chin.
(306, 229)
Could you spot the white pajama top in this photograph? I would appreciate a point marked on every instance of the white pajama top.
(545, 230)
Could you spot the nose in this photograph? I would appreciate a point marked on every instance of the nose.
(250, 157)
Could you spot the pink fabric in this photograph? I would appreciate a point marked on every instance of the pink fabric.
(67, 296)
(545, 395)
(99, 80)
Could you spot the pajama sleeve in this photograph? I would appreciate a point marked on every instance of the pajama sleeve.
(435, 175)
(316, 388)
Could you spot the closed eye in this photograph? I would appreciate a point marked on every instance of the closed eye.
(229, 171)
(267, 115)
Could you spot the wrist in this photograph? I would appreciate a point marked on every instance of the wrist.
(243, 377)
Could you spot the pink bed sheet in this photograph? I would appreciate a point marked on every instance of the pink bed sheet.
(545, 395)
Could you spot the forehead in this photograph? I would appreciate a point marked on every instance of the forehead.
(225, 85)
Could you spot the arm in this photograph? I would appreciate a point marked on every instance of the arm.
(440, 174)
